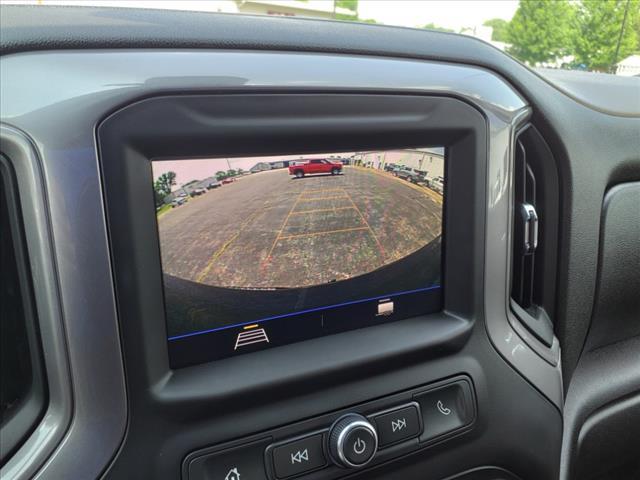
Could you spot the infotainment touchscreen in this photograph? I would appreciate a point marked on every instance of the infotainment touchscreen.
(261, 252)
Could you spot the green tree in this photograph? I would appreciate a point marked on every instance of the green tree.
(542, 31)
(433, 26)
(499, 33)
(637, 29)
(348, 4)
(600, 24)
(220, 175)
(163, 184)
(158, 197)
(231, 173)
(353, 6)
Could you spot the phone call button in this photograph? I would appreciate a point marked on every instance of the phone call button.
(445, 409)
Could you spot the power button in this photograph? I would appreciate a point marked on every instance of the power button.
(353, 441)
(360, 445)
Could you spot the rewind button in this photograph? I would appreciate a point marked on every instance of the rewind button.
(298, 456)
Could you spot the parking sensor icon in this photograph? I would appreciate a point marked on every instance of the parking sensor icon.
(251, 334)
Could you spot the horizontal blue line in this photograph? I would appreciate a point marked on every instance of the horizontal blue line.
(226, 327)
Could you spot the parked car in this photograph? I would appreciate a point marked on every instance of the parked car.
(315, 165)
(437, 185)
(179, 200)
(228, 180)
(197, 192)
(214, 184)
(409, 175)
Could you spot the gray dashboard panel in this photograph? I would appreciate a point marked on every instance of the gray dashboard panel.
(33, 201)
(59, 98)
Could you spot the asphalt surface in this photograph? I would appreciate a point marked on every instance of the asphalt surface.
(269, 230)
(193, 307)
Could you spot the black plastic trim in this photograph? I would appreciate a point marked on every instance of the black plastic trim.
(200, 126)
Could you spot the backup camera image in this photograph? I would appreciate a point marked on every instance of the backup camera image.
(263, 251)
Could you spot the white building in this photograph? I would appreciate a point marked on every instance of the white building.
(292, 8)
(429, 162)
(287, 8)
(629, 67)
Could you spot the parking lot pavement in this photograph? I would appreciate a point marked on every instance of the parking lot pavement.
(268, 230)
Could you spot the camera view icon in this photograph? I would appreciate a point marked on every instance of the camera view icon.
(251, 334)
(385, 307)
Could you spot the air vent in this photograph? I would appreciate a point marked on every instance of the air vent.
(534, 235)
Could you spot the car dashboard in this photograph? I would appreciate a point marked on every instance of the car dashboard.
(189, 349)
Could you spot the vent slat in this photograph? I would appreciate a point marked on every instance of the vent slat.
(526, 261)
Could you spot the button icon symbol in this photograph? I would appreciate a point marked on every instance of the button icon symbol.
(442, 409)
(251, 334)
(300, 456)
(385, 307)
(233, 474)
(359, 446)
(399, 424)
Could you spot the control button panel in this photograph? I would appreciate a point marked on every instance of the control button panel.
(446, 409)
(398, 424)
(328, 446)
(299, 456)
(239, 463)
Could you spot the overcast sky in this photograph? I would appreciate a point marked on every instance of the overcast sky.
(453, 14)
(187, 170)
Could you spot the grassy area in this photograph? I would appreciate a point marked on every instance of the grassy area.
(162, 210)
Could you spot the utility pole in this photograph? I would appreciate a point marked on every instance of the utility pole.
(624, 21)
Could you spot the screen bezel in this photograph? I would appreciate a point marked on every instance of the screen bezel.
(206, 124)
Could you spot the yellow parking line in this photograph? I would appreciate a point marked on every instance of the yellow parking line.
(215, 256)
(319, 198)
(318, 210)
(382, 252)
(312, 234)
(322, 190)
(204, 272)
(284, 224)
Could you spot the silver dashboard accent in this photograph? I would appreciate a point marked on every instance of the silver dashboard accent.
(530, 219)
(340, 442)
(59, 97)
(33, 201)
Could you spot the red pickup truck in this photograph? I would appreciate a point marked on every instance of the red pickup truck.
(316, 165)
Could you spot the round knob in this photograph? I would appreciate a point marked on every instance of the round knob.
(353, 441)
